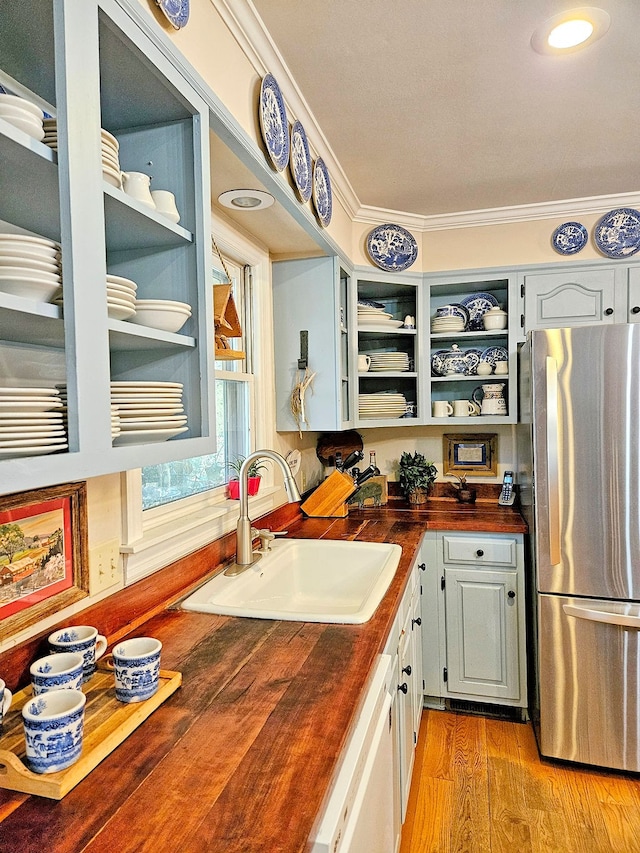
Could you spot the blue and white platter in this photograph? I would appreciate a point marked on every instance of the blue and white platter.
(617, 234)
(391, 247)
(493, 354)
(322, 197)
(273, 122)
(569, 238)
(477, 304)
(175, 11)
(300, 162)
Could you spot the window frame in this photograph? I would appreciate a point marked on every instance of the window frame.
(156, 537)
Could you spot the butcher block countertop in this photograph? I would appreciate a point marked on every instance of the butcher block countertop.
(241, 757)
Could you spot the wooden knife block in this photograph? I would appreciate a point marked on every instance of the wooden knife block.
(329, 499)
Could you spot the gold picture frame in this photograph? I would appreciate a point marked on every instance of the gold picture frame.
(43, 554)
(472, 453)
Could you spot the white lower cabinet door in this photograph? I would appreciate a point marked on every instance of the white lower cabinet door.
(482, 633)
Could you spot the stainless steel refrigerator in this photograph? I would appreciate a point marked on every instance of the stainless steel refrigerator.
(579, 475)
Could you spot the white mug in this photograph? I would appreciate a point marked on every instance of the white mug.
(502, 367)
(83, 639)
(53, 729)
(463, 408)
(58, 671)
(442, 409)
(136, 184)
(165, 203)
(364, 363)
(136, 663)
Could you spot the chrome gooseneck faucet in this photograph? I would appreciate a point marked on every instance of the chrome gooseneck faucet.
(245, 556)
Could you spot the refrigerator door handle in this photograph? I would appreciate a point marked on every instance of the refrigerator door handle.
(553, 485)
(623, 619)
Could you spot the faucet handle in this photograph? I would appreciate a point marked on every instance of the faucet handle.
(265, 536)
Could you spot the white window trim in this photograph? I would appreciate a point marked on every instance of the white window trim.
(154, 539)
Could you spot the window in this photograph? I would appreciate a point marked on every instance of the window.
(172, 481)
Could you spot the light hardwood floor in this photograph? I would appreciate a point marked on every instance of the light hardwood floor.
(479, 786)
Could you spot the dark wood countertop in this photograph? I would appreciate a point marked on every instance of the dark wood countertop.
(241, 757)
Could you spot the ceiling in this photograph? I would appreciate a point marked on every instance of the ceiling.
(433, 108)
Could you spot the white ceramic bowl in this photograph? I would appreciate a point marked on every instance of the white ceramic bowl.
(27, 125)
(16, 111)
(29, 288)
(166, 317)
(22, 103)
(494, 320)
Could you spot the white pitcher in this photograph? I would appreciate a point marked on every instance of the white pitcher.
(493, 402)
(137, 185)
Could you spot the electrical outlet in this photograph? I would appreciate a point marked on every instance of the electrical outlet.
(105, 566)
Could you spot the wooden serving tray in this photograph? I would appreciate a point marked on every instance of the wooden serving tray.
(107, 722)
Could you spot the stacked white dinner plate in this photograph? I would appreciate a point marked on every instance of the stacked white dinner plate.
(382, 405)
(29, 266)
(22, 114)
(115, 422)
(110, 159)
(447, 324)
(388, 361)
(121, 297)
(148, 411)
(31, 421)
(370, 315)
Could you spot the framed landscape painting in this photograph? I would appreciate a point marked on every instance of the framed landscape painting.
(43, 554)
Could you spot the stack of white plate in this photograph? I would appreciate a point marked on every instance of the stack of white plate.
(164, 314)
(115, 422)
(388, 361)
(110, 159)
(149, 411)
(369, 315)
(121, 297)
(447, 324)
(22, 114)
(50, 133)
(382, 405)
(29, 266)
(31, 421)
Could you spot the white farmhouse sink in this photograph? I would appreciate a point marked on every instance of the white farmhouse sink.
(306, 580)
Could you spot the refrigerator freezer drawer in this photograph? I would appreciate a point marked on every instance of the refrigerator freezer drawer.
(463, 549)
(589, 660)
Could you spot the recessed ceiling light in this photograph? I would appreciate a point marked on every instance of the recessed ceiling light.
(246, 199)
(571, 30)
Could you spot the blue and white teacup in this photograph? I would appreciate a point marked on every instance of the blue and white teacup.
(83, 639)
(53, 729)
(62, 671)
(136, 664)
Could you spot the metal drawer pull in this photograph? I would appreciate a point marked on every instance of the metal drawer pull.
(407, 669)
(622, 619)
(403, 688)
(479, 553)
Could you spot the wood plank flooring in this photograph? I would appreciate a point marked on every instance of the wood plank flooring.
(479, 786)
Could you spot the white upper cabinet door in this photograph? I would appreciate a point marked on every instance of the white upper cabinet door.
(572, 298)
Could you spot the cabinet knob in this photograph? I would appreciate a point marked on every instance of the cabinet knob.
(511, 594)
(417, 622)
(608, 311)
(479, 553)
(423, 566)
(403, 688)
(407, 669)
(635, 309)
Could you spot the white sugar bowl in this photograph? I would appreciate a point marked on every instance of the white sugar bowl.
(494, 319)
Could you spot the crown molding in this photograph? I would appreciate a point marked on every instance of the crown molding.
(248, 29)
(499, 215)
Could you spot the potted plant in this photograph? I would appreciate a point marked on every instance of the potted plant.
(416, 477)
(253, 480)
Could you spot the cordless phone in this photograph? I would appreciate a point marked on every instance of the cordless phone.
(507, 495)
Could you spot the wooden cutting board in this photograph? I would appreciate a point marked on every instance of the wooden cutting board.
(329, 498)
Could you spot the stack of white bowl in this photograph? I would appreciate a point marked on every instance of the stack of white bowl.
(31, 421)
(381, 405)
(121, 297)
(30, 266)
(164, 314)
(110, 159)
(22, 114)
(149, 411)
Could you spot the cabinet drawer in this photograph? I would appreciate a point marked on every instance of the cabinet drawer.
(479, 550)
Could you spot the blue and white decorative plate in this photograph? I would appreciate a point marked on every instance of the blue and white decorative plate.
(493, 354)
(322, 197)
(569, 238)
(300, 162)
(273, 122)
(175, 11)
(392, 247)
(617, 235)
(476, 304)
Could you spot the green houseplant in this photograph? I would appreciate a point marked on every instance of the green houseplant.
(416, 476)
(253, 480)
